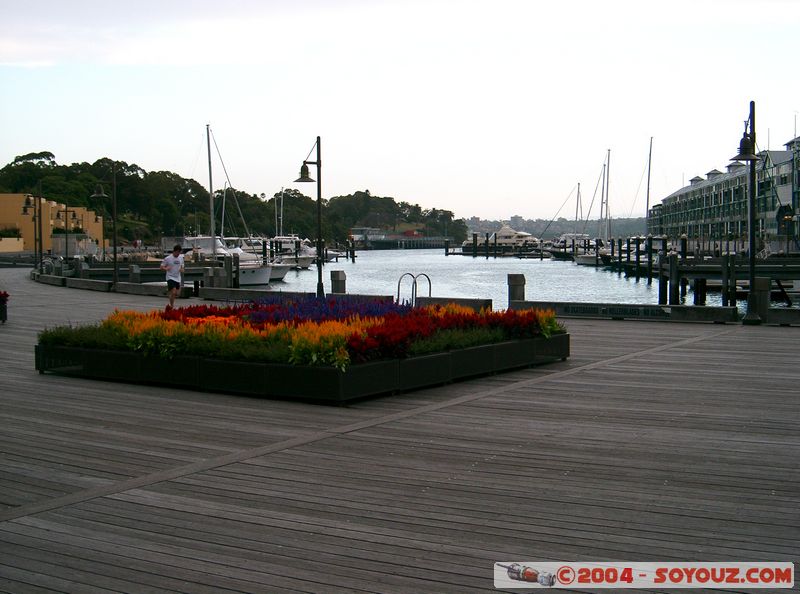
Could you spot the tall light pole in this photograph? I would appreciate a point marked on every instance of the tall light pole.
(747, 152)
(36, 222)
(99, 193)
(304, 177)
(67, 210)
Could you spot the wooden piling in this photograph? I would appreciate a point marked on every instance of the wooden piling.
(699, 291)
(674, 277)
(724, 270)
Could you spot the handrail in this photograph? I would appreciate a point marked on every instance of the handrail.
(413, 287)
(414, 279)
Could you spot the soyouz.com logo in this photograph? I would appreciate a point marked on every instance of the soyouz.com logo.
(622, 574)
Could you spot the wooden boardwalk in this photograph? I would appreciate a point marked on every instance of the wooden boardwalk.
(655, 441)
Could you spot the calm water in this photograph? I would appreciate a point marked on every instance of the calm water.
(377, 273)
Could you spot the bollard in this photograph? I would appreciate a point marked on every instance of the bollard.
(338, 282)
(236, 270)
(486, 246)
(221, 278)
(474, 245)
(516, 288)
(134, 273)
(638, 258)
(227, 271)
(761, 297)
(446, 247)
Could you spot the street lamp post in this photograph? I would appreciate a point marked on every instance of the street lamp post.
(747, 152)
(67, 210)
(304, 177)
(99, 193)
(36, 221)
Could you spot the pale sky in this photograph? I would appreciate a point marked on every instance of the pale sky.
(492, 108)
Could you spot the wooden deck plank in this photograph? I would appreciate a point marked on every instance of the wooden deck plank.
(655, 441)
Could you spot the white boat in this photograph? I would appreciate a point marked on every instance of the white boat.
(249, 250)
(590, 259)
(290, 249)
(506, 239)
(252, 269)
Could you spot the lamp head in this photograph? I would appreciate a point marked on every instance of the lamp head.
(304, 177)
(98, 192)
(746, 150)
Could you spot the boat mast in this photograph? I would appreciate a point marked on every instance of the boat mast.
(608, 185)
(602, 201)
(649, 161)
(211, 193)
(577, 206)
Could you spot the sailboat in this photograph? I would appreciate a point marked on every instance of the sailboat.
(253, 270)
(600, 257)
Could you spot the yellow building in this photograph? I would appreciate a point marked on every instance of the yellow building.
(19, 211)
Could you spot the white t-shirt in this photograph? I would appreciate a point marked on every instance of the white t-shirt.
(173, 265)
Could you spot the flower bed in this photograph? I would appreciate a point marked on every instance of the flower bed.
(307, 348)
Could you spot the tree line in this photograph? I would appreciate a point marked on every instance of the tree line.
(151, 205)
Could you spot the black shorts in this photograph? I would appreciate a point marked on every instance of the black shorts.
(172, 284)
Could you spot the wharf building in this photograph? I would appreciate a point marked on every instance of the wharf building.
(712, 211)
(78, 225)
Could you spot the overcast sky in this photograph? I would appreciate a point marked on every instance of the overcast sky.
(492, 108)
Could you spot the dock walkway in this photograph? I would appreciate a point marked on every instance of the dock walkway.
(654, 442)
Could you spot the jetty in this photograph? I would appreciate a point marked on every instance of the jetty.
(654, 441)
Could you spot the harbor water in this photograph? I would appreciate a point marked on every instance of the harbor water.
(378, 272)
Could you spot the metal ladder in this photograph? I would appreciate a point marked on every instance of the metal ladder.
(414, 278)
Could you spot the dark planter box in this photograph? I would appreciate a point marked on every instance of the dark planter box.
(555, 348)
(113, 365)
(513, 354)
(472, 361)
(181, 370)
(427, 370)
(240, 377)
(330, 384)
(321, 384)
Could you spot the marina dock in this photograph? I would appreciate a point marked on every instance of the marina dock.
(655, 441)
